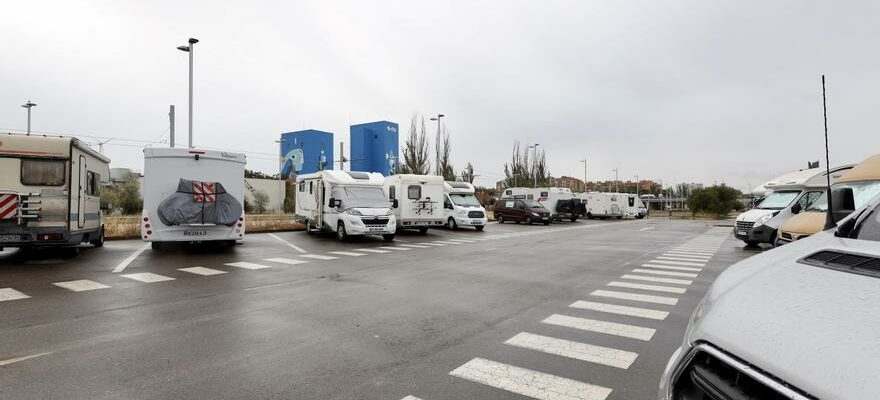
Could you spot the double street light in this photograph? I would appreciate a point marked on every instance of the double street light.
(29, 105)
(534, 147)
(190, 49)
(437, 156)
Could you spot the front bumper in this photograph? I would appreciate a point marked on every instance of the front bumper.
(761, 234)
(465, 221)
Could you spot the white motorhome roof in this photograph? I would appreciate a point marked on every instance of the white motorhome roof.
(346, 177)
(813, 177)
(416, 178)
(166, 152)
(458, 187)
(43, 146)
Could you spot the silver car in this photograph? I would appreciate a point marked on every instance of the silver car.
(798, 322)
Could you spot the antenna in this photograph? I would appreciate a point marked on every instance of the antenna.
(829, 214)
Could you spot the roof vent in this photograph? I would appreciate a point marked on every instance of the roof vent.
(359, 175)
(847, 262)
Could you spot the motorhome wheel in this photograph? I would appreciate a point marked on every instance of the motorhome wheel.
(99, 242)
(589, 215)
(423, 230)
(157, 246)
(499, 218)
(573, 219)
(479, 227)
(451, 224)
(388, 238)
(620, 217)
(341, 235)
(528, 220)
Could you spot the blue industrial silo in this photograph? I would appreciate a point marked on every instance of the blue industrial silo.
(306, 151)
(375, 147)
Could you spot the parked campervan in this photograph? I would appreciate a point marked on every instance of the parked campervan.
(604, 205)
(347, 203)
(803, 188)
(419, 199)
(192, 195)
(461, 207)
(633, 206)
(561, 203)
(857, 186)
(50, 190)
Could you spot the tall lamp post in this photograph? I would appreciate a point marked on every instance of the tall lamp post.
(637, 185)
(437, 148)
(29, 105)
(190, 49)
(535, 160)
(585, 173)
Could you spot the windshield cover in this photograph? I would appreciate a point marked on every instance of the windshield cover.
(778, 200)
(863, 192)
(465, 200)
(360, 197)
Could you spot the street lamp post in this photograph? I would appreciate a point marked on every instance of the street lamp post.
(616, 180)
(585, 173)
(190, 49)
(535, 162)
(29, 105)
(637, 185)
(437, 148)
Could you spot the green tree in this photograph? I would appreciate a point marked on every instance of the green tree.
(261, 200)
(719, 200)
(125, 197)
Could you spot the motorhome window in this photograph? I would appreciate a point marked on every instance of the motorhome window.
(778, 200)
(863, 191)
(392, 192)
(93, 185)
(545, 194)
(414, 192)
(465, 200)
(42, 172)
(808, 199)
(632, 201)
(302, 186)
(310, 187)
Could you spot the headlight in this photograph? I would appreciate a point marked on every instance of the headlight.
(535, 214)
(389, 212)
(762, 220)
(352, 211)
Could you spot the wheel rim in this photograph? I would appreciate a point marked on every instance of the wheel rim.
(340, 232)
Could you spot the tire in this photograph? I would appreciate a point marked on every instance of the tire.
(479, 228)
(528, 220)
(230, 243)
(750, 243)
(451, 224)
(158, 246)
(99, 242)
(547, 223)
(423, 230)
(341, 234)
(574, 219)
(388, 237)
(499, 219)
(620, 217)
(589, 215)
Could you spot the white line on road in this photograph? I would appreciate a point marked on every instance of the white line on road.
(411, 398)
(672, 267)
(677, 258)
(687, 255)
(666, 273)
(293, 246)
(576, 350)
(529, 383)
(620, 310)
(19, 359)
(121, 267)
(642, 286)
(608, 328)
(202, 271)
(148, 277)
(432, 244)
(7, 294)
(636, 297)
(646, 229)
(690, 264)
(460, 240)
(415, 246)
(443, 242)
(395, 248)
(374, 251)
(81, 285)
(347, 253)
(704, 250)
(659, 280)
(288, 261)
(318, 257)
(247, 265)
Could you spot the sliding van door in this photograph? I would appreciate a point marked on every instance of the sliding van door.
(81, 198)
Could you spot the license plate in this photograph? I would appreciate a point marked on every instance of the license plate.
(476, 222)
(10, 238)
(423, 222)
(741, 233)
(377, 230)
(195, 232)
(545, 218)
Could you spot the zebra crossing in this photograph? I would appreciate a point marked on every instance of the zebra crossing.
(646, 292)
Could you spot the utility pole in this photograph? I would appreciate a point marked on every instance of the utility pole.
(637, 185)
(190, 49)
(437, 147)
(341, 157)
(171, 125)
(585, 173)
(616, 180)
(29, 105)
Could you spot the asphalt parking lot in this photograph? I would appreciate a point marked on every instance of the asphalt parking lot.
(586, 310)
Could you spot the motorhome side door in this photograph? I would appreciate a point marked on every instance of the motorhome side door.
(81, 198)
(319, 201)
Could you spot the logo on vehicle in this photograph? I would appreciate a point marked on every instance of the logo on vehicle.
(228, 155)
(390, 128)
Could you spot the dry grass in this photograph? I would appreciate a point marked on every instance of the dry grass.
(128, 226)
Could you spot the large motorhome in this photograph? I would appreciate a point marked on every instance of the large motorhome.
(420, 200)
(193, 195)
(561, 203)
(604, 205)
(347, 203)
(633, 206)
(50, 191)
(461, 206)
(759, 225)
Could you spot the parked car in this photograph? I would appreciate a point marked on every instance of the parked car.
(521, 210)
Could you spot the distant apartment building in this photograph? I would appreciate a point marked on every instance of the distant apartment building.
(684, 189)
(575, 184)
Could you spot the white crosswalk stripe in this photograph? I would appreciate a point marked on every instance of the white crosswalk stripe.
(317, 257)
(658, 280)
(643, 286)
(672, 267)
(689, 264)
(460, 240)
(522, 381)
(432, 244)
(676, 258)
(398, 248)
(608, 328)
(82, 285)
(411, 398)
(147, 277)
(636, 297)
(288, 261)
(445, 242)
(347, 253)
(620, 310)
(377, 251)
(696, 250)
(7, 294)
(666, 273)
(415, 246)
(576, 350)
(686, 255)
(247, 265)
(202, 271)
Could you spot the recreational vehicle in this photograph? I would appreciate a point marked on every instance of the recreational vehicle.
(420, 200)
(461, 206)
(347, 203)
(50, 191)
(605, 205)
(561, 203)
(633, 206)
(193, 195)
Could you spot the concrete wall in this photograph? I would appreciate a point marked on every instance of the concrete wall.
(272, 187)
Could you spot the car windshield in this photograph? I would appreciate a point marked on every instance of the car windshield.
(778, 200)
(862, 193)
(532, 203)
(465, 200)
(361, 197)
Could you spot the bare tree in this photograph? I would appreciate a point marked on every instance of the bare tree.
(444, 167)
(524, 171)
(467, 174)
(415, 150)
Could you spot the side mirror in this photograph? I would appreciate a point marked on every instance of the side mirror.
(332, 202)
(796, 208)
(843, 203)
(394, 203)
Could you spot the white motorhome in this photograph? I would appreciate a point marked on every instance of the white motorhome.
(604, 205)
(561, 202)
(461, 206)
(420, 200)
(50, 191)
(633, 206)
(803, 187)
(347, 203)
(193, 195)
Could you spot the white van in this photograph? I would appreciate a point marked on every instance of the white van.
(633, 206)
(604, 205)
(802, 187)
(461, 206)
(50, 191)
(347, 203)
(420, 199)
(561, 202)
(193, 195)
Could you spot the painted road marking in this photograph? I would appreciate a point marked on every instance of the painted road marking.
(20, 359)
(81, 285)
(659, 280)
(608, 328)
(694, 253)
(288, 261)
(202, 271)
(432, 244)
(697, 250)
(677, 258)
(672, 267)
(689, 264)
(646, 229)
(374, 251)
(411, 398)
(576, 350)
(443, 242)
(318, 257)
(620, 310)
(686, 255)
(148, 277)
(291, 245)
(247, 265)
(460, 240)
(529, 383)
(395, 248)
(415, 246)
(7, 294)
(636, 297)
(347, 253)
(666, 273)
(642, 286)
(121, 266)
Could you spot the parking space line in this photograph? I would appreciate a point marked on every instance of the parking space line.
(288, 261)
(415, 246)
(698, 249)
(9, 361)
(687, 255)
(642, 286)
(202, 271)
(347, 253)
(460, 240)
(318, 257)
(394, 248)
(579, 351)
(81, 285)
(689, 264)
(121, 266)
(291, 245)
(666, 273)
(529, 383)
(646, 229)
(247, 265)
(658, 280)
(620, 310)
(377, 251)
(676, 258)
(7, 294)
(411, 398)
(647, 298)
(672, 267)
(147, 277)
(445, 242)
(432, 244)
(608, 328)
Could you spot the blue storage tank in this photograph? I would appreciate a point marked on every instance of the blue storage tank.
(305, 152)
(375, 147)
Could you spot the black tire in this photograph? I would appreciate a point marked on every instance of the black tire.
(309, 230)
(546, 222)
(230, 243)
(388, 237)
(528, 220)
(479, 227)
(574, 219)
(99, 242)
(451, 224)
(750, 243)
(620, 217)
(423, 230)
(158, 246)
(499, 219)
(589, 215)
(341, 234)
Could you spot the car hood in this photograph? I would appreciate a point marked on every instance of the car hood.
(371, 211)
(815, 328)
(807, 222)
(753, 215)
(539, 210)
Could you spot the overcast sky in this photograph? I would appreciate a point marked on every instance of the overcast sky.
(674, 90)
